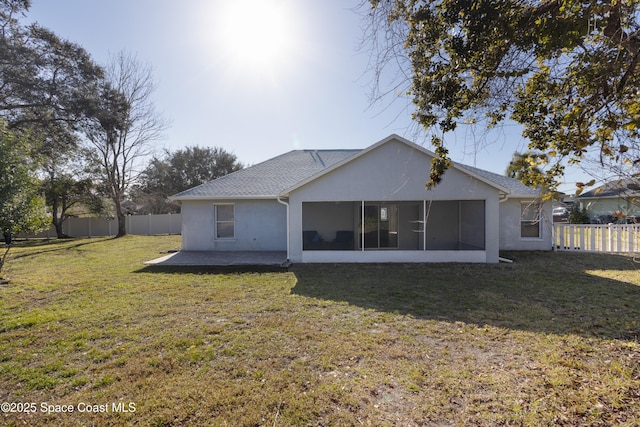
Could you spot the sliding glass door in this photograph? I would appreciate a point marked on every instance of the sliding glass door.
(380, 225)
(440, 225)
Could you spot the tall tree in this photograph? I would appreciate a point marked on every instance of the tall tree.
(566, 70)
(21, 206)
(46, 83)
(180, 170)
(68, 183)
(123, 126)
(47, 87)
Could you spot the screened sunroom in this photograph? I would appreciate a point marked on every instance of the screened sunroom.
(423, 225)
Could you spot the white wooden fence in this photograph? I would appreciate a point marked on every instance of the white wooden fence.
(146, 225)
(597, 238)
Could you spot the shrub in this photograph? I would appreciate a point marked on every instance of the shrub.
(578, 216)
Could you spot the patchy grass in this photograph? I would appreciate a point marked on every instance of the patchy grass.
(549, 340)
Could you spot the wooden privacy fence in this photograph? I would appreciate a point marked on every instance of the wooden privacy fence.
(597, 237)
(146, 225)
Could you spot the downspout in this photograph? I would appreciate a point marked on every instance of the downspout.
(282, 202)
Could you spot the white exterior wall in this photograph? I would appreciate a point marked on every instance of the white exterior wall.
(510, 215)
(393, 172)
(260, 225)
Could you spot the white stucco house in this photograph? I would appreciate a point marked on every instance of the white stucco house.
(365, 205)
(615, 201)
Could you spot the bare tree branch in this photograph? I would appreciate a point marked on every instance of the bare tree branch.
(125, 126)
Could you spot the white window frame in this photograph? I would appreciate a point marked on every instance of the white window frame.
(535, 205)
(218, 221)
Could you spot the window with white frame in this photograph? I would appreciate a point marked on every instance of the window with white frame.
(530, 220)
(225, 221)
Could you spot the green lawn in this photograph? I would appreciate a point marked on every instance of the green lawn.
(549, 340)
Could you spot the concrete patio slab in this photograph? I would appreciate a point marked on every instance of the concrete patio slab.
(220, 259)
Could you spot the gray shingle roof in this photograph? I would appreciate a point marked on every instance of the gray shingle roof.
(620, 188)
(513, 185)
(269, 178)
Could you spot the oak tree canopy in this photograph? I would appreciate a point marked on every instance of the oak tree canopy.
(566, 70)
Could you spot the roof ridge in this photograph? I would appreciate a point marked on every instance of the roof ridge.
(288, 171)
(329, 149)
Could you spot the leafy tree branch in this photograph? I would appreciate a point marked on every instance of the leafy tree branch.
(567, 71)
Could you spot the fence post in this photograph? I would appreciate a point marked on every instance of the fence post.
(619, 241)
(572, 237)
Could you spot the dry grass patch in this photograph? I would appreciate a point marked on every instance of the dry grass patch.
(549, 340)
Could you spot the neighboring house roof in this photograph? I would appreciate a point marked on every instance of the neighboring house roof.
(614, 189)
(285, 173)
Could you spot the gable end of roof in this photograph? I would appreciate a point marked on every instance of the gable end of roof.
(283, 174)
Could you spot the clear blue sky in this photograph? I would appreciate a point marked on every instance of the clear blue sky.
(301, 83)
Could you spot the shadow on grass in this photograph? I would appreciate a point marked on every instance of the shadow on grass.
(213, 269)
(557, 293)
(54, 245)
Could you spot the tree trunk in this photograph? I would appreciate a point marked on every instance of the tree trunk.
(57, 224)
(122, 226)
(2, 259)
